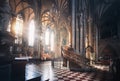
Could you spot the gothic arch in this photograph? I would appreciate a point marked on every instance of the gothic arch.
(108, 49)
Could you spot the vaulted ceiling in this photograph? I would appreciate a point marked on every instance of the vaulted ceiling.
(106, 14)
(37, 8)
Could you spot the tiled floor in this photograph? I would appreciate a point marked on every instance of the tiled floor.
(59, 73)
(66, 75)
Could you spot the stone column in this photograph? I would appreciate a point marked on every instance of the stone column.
(97, 38)
(90, 31)
(82, 33)
(73, 23)
(77, 34)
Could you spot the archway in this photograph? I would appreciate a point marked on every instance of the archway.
(107, 53)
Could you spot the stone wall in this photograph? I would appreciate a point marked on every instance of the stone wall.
(4, 14)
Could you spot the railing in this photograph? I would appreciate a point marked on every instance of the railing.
(74, 57)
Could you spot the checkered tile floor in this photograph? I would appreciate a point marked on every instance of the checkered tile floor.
(62, 74)
(66, 75)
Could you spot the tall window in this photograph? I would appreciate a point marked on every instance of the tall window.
(49, 39)
(47, 36)
(31, 33)
(52, 41)
(18, 29)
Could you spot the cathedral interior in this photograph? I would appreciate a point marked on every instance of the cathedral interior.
(59, 40)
